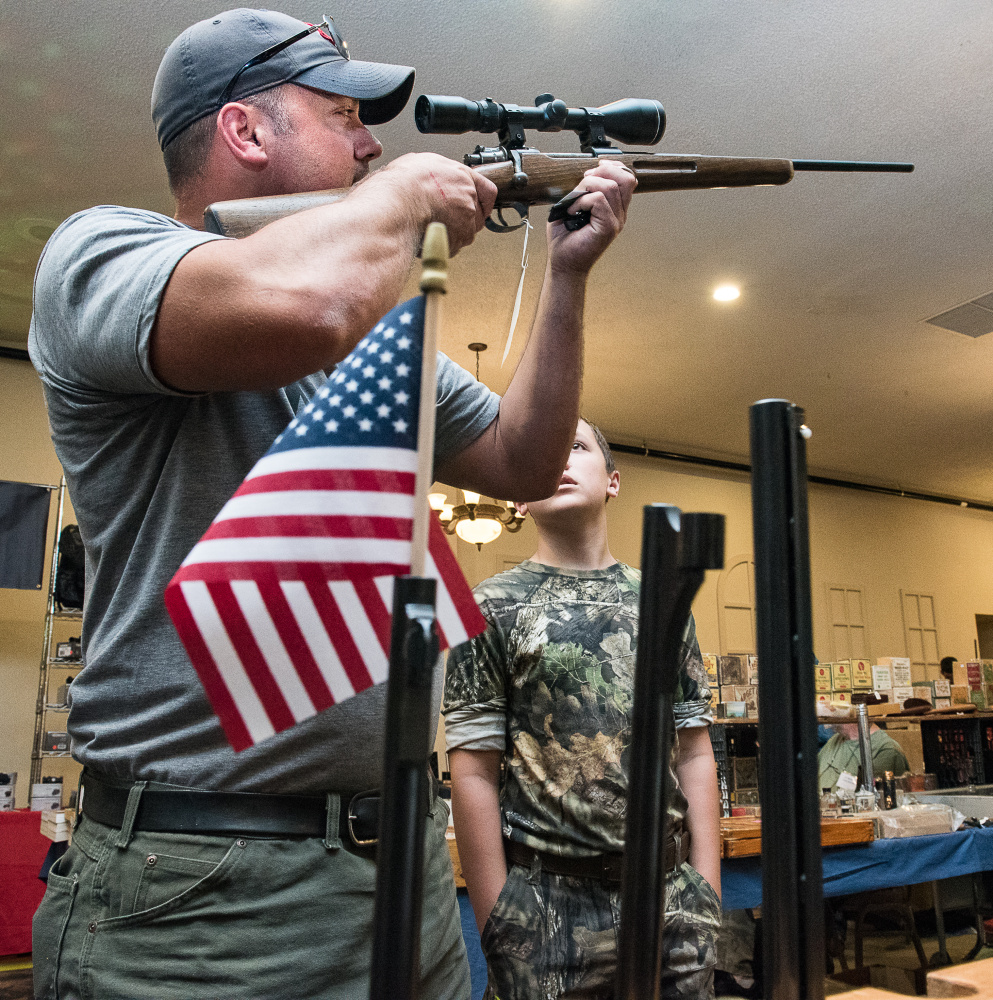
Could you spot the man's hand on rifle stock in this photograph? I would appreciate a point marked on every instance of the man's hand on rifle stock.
(609, 189)
(443, 190)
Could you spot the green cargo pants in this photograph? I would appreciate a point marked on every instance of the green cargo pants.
(179, 917)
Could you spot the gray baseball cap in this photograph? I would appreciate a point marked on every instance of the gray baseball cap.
(198, 66)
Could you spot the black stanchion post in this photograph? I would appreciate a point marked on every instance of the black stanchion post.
(792, 897)
(676, 549)
(403, 809)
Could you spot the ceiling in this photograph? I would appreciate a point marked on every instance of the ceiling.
(838, 272)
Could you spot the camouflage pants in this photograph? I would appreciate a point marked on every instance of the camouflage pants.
(554, 937)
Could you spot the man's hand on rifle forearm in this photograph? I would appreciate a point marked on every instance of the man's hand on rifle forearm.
(610, 187)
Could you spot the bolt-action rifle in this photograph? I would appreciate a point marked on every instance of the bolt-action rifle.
(525, 176)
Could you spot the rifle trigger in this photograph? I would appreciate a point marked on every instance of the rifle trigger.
(503, 226)
(559, 212)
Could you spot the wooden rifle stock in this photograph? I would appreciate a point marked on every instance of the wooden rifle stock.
(544, 178)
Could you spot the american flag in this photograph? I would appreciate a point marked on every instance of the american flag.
(284, 605)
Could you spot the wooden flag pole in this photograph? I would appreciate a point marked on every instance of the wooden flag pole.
(406, 793)
(434, 284)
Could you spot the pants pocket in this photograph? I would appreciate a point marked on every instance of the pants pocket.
(489, 928)
(155, 950)
(48, 931)
(165, 876)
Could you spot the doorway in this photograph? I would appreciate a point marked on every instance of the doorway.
(984, 632)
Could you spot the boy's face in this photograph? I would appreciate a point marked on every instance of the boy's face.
(585, 483)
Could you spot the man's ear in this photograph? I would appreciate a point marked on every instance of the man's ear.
(522, 508)
(238, 129)
(614, 484)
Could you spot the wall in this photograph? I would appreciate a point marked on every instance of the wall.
(876, 543)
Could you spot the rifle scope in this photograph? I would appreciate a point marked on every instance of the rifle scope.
(631, 120)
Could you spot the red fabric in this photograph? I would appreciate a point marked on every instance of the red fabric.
(22, 850)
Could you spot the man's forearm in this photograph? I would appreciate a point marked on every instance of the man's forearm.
(296, 296)
(540, 408)
(476, 811)
(521, 455)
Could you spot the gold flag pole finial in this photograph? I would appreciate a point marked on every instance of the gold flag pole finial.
(434, 284)
(434, 257)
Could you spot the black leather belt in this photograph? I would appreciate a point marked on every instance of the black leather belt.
(182, 810)
(605, 867)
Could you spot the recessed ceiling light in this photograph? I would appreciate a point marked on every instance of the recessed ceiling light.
(726, 293)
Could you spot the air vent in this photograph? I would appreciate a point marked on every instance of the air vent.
(974, 319)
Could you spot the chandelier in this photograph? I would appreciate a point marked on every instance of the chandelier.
(475, 522)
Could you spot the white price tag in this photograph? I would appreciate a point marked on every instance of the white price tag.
(847, 782)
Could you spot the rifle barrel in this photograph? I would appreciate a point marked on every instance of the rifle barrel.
(853, 166)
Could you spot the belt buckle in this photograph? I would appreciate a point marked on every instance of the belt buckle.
(363, 810)
(611, 867)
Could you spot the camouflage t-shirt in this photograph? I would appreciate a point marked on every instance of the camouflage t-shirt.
(550, 684)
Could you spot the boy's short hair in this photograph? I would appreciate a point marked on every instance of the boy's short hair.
(608, 458)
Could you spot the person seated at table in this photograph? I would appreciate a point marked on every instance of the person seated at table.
(947, 668)
(841, 753)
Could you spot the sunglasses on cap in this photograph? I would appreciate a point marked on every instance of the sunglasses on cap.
(325, 29)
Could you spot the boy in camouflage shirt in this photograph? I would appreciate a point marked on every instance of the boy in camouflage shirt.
(538, 725)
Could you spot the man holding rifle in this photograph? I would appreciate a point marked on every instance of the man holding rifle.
(171, 358)
(538, 725)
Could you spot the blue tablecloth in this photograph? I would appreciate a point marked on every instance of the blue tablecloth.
(878, 865)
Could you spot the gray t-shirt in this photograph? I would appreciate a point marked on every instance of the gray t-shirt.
(148, 468)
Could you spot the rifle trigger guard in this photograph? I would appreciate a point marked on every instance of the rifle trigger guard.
(503, 226)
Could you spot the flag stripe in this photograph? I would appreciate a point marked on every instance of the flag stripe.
(248, 654)
(401, 459)
(290, 634)
(303, 550)
(250, 570)
(327, 503)
(378, 611)
(270, 645)
(318, 642)
(348, 653)
(363, 634)
(218, 691)
(358, 480)
(443, 608)
(398, 529)
(385, 586)
(468, 620)
(231, 669)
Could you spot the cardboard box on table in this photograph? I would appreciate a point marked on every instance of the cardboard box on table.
(861, 675)
(732, 670)
(960, 694)
(841, 675)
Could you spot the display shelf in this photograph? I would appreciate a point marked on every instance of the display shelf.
(958, 749)
(56, 620)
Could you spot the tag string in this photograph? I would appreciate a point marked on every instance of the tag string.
(520, 291)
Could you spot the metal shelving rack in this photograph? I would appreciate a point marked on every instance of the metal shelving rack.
(52, 616)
